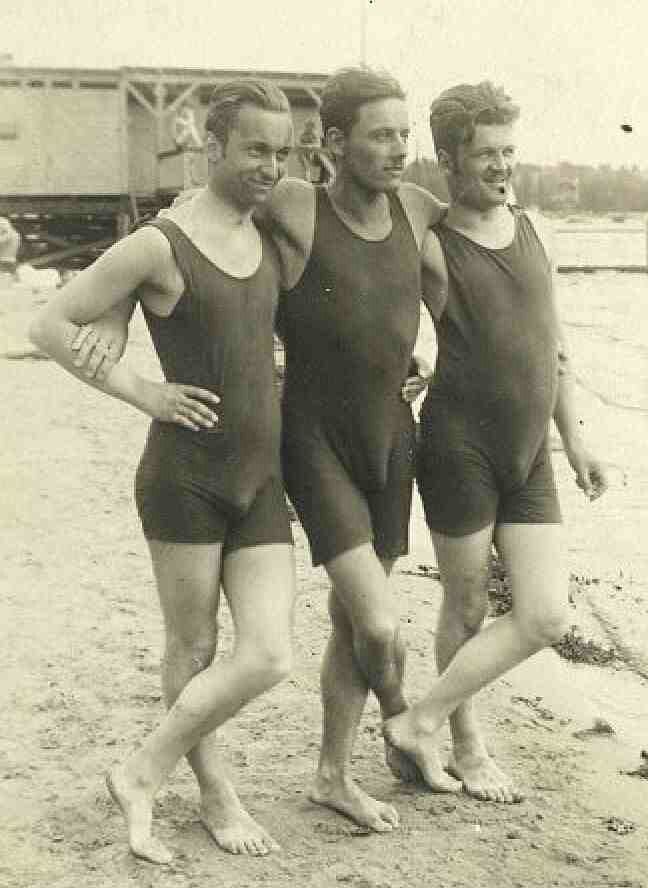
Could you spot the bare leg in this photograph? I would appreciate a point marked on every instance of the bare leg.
(464, 607)
(533, 555)
(259, 583)
(365, 652)
(344, 694)
(190, 609)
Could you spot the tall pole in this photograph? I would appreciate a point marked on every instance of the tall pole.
(363, 31)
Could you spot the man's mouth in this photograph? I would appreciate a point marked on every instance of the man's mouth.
(500, 185)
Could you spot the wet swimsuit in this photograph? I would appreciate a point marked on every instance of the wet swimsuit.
(349, 327)
(484, 456)
(222, 484)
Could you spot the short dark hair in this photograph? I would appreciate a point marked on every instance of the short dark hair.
(456, 112)
(349, 88)
(227, 100)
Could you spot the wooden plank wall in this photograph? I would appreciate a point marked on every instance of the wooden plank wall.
(66, 140)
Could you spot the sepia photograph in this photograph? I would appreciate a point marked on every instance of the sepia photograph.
(324, 478)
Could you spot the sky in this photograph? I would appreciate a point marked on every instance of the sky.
(577, 68)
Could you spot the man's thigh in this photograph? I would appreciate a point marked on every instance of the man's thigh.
(535, 558)
(260, 585)
(188, 583)
(464, 563)
(361, 585)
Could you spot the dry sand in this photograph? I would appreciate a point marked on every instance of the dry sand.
(81, 640)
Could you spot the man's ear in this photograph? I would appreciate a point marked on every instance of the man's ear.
(215, 148)
(335, 141)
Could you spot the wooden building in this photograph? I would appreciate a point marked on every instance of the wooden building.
(85, 154)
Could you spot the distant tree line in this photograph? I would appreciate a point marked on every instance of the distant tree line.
(565, 187)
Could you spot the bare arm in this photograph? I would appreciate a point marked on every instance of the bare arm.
(98, 289)
(434, 279)
(423, 209)
(100, 345)
(590, 473)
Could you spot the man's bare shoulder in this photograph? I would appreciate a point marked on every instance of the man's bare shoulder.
(289, 195)
(421, 200)
(432, 256)
(289, 213)
(143, 257)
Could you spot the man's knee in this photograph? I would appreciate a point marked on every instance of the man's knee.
(194, 654)
(378, 639)
(470, 608)
(544, 627)
(466, 595)
(266, 665)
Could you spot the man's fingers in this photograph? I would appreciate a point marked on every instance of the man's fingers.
(203, 394)
(198, 412)
(181, 419)
(104, 368)
(95, 362)
(81, 337)
(84, 349)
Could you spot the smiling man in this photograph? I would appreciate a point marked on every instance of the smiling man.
(208, 486)
(484, 468)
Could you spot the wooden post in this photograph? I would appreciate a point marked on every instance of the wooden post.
(123, 224)
(160, 99)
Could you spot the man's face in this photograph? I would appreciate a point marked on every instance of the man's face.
(480, 175)
(375, 149)
(255, 156)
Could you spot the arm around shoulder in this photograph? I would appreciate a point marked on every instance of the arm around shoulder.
(426, 203)
(290, 210)
(434, 275)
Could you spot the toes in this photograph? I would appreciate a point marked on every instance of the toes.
(449, 784)
(153, 851)
(260, 847)
(270, 843)
(390, 815)
(377, 824)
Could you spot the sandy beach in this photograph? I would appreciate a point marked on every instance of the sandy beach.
(82, 636)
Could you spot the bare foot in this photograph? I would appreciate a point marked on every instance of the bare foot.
(481, 777)
(346, 797)
(136, 804)
(233, 829)
(401, 765)
(421, 748)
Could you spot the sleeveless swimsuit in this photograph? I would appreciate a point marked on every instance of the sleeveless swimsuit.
(222, 484)
(484, 455)
(349, 327)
